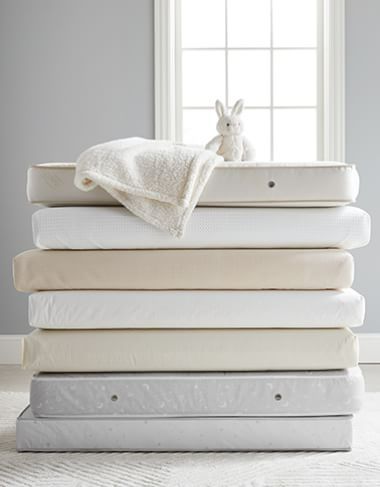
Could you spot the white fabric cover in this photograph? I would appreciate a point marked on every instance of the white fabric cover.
(316, 393)
(182, 434)
(239, 183)
(196, 309)
(116, 228)
(168, 350)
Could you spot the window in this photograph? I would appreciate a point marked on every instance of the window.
(283, 57)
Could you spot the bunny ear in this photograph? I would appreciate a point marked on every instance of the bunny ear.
(220, 109)
(238, 107)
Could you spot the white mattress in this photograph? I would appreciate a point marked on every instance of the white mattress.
(116, 228)
(317, 393)
(240, 184)
(186, 350)
(182, 434)
(196, 309)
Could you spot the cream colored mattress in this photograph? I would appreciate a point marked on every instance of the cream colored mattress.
(231, 184)
(196, 309)
(189, 350)
(37, 270)
(116, 228)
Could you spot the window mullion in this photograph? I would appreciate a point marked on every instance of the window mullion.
(226, 48)
(321, 155)
(271, 85)
(177, 62)
(245, 48)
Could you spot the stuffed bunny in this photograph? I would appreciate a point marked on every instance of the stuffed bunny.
(230, 144)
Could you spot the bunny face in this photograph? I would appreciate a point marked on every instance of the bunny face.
(229, 124)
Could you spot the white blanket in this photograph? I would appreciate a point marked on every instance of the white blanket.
(156, 180)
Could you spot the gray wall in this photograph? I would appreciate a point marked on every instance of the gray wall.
(363, 139)
(78, 72)
(72, 73)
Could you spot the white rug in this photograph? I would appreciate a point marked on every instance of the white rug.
(359, 468)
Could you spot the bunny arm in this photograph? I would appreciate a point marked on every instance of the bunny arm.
(215, 143)
(249, 152)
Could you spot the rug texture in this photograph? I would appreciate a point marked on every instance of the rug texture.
(358, 468)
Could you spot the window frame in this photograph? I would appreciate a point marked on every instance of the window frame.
(331, 73)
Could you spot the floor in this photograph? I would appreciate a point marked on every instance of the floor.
(359, 467)
(14, 379)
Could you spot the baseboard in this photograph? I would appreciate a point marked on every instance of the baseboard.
(10, 348)
(369, 345)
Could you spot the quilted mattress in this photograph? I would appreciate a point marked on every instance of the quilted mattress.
(116, 228)
(182, 434)
(189, 350)
(317, 393)
(231, 184)
(196, 309)
(38, 270)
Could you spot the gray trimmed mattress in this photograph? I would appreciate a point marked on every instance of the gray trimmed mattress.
(231, 184)
(316, 393)
(182, 434)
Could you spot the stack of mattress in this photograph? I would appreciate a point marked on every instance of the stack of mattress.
(235, 337)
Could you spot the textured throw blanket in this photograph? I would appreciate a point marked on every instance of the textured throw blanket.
(159, 181)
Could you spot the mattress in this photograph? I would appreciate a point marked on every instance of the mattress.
(39, 270)
(240, 184)
(196, 309)
(189, 350)
(317, 393)
(116, 228)
(182, 434)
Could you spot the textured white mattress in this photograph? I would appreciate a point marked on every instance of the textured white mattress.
(116, 228)
(196, 309)
(239, 184)
(317, 393)
(182, 434)
(187, 350)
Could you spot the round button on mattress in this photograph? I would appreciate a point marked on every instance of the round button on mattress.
(330, 392)
(189, 350)
(117, 228)
(196, 309)
(39, 270)
(182, 434)
(231, 184)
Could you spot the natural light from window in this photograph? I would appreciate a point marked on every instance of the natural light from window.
(264, 51)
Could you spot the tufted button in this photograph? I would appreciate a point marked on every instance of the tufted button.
(271, 184)
(114, 398)
(278, 397)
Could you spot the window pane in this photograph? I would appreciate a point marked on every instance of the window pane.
(249, 77)
(203, 23)
(248, 23)
(295, 23)
(257, 130)
(295, 78)
(203, 74)
(295, 134)
(198, 126)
